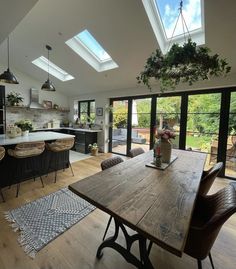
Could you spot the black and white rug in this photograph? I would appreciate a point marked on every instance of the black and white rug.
(233, 184)
(42, 220)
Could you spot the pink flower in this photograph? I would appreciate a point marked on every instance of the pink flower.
(165, 134)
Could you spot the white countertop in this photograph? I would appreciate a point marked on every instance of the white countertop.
(70, 128)
(32, 137)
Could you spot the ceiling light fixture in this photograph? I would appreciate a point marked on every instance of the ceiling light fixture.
(48, 86)
(7, 76)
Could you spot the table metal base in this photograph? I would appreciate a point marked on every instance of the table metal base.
(142, 263)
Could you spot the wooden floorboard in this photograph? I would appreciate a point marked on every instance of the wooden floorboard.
(76, 248)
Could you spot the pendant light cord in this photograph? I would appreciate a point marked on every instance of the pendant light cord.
(48, 64)
(8, 54)
(184, 25)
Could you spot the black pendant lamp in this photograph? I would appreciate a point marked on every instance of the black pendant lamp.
(48, 86)
(7, 76)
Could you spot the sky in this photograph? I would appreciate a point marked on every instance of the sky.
(169, 10)
(93, 45)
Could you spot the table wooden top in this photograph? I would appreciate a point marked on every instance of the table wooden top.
(157, 204)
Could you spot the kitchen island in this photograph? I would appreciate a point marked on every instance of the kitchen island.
(83, 136)
(46, 158)
(33, 137)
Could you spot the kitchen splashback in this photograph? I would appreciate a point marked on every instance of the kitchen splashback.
(39, 117)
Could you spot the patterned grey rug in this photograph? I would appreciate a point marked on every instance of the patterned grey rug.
(44, 219)
(233, 184)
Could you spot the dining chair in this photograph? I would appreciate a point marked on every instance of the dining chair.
(59, 150)
(209, 177)
(108, 163)
(209, 215)
(211, 212)
(25, 158)
(2, 154)
(135, 152)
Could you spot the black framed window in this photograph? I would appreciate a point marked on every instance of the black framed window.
(86, 111)
(204, 121)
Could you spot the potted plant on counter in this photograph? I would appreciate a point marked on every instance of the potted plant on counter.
(14, 99)
(25, 126)
(93, 149)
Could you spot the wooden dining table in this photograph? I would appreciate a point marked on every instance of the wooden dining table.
(157, 204)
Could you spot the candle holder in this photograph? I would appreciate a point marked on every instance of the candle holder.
(158, 161)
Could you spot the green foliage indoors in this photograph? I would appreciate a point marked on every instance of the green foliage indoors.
(24, 125)
(188, 63)
(14, 98)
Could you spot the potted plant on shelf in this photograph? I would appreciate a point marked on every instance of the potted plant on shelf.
(93, 149)
(14, 99)
(25, 126)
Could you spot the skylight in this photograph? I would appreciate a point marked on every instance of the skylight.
(163, 16)
(54, 70)
(91, 43)
(85, 45)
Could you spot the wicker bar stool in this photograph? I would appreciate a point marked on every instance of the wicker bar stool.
(60, 148)
(2, 154)
(25, 155)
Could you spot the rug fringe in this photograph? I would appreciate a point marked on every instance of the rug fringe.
(10, 218)
(26, 242)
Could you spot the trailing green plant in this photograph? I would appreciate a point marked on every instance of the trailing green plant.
(188, 63)
(25, 125)
(14, 98)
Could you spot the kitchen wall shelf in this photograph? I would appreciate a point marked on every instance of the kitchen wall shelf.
(45, 109)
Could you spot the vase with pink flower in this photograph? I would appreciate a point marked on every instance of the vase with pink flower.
(165, 137)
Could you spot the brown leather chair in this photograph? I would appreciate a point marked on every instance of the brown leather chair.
(111, 162)
(135, 152)
(108, 163)
(208, 178)
(210, 214)
(2, 154)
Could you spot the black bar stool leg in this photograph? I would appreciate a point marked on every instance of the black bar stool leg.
(72, 172)
(2, 195)
(199, 264)
(210, 257)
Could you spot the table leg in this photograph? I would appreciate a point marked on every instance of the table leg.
(143, 263)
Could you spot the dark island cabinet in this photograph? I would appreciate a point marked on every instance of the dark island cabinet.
(2, 110)
(83, 139)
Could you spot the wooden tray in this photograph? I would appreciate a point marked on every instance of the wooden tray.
(163, 165)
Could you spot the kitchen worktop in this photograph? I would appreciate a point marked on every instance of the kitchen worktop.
(70, 128)
(33, 137)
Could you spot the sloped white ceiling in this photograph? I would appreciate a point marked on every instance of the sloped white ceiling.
(123, 29)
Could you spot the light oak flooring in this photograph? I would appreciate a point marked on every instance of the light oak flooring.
(76, 248)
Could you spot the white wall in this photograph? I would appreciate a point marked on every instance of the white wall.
(26, 82)
(102, 100)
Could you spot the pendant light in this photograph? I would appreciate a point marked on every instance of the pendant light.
(7, 76)
(48, 86)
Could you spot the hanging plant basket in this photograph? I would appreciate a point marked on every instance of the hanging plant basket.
(187, 63)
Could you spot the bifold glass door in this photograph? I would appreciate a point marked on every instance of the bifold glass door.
(140, 123)
(204, 121)
(119, 126)
(230, 163)
(168, 116)
(203, 125)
